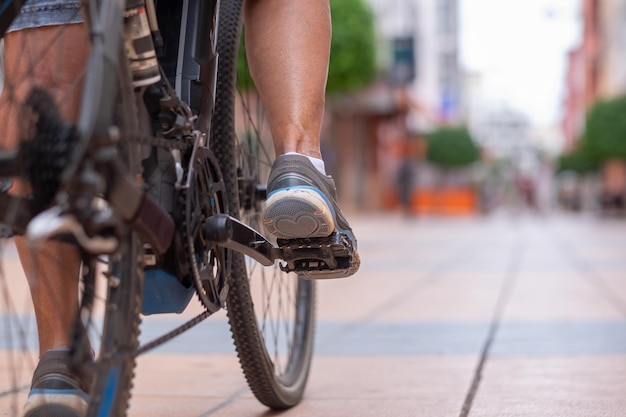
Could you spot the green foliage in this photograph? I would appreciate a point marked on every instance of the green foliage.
(451, 147)
(244, 79)
(578, 161)
(353, 46)
(352, 51)
(605, 133)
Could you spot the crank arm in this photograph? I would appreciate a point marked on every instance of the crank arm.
(230, 233)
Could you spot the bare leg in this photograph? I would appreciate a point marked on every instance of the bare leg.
(53, 271)
(288, 46)
(53, 279)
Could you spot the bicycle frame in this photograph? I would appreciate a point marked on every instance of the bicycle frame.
(116, 171)
(194, 59)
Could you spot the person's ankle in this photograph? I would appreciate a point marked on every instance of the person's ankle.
(318, 163)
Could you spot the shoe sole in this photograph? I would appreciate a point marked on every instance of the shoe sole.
(53, 404)
(298, 213)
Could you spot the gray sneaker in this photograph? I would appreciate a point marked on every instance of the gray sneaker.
(302, 212)
(56, 390)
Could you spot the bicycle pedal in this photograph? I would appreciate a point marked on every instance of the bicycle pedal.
(320, 258)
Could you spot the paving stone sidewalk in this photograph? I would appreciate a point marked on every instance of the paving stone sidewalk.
(470, 317)
(475, 317)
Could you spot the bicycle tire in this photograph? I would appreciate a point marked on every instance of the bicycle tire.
(114, 323)
(274, 347)
(114, 369)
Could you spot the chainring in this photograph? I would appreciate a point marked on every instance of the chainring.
(203, 197)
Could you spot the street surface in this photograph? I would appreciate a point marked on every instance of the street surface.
(480, 317)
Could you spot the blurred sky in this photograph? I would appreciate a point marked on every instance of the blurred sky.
(520, 48)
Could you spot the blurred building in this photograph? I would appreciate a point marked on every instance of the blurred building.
(596, 67)
(420, 48)
(611, 56)
(582, 74)
(596, 71)
(502, 133)
(579, 92)
(419, 88)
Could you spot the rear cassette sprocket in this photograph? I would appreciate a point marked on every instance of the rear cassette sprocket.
(46, 145)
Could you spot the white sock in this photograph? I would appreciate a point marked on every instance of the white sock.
(317, 162)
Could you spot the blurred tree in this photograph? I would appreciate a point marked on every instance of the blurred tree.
(605, 132)
(578, 161)
(451, 147)
(244, 79)
(353, 46)
(352, 52)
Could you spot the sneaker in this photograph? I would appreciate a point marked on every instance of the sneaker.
(301, 201)
(56, 389)
(302, 204)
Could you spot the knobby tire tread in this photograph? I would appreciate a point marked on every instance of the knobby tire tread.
(257, 366)
(123, 305)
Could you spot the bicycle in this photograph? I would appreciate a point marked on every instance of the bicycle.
(91, 190)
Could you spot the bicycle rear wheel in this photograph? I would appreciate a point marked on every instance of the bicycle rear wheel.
(109, 287)
(271, 313)
(115, 364)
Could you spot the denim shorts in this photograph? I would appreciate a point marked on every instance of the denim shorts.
(37, 13)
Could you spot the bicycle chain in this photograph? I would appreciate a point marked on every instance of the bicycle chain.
(173, 333)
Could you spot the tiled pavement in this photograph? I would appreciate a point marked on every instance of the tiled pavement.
(466, 317)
